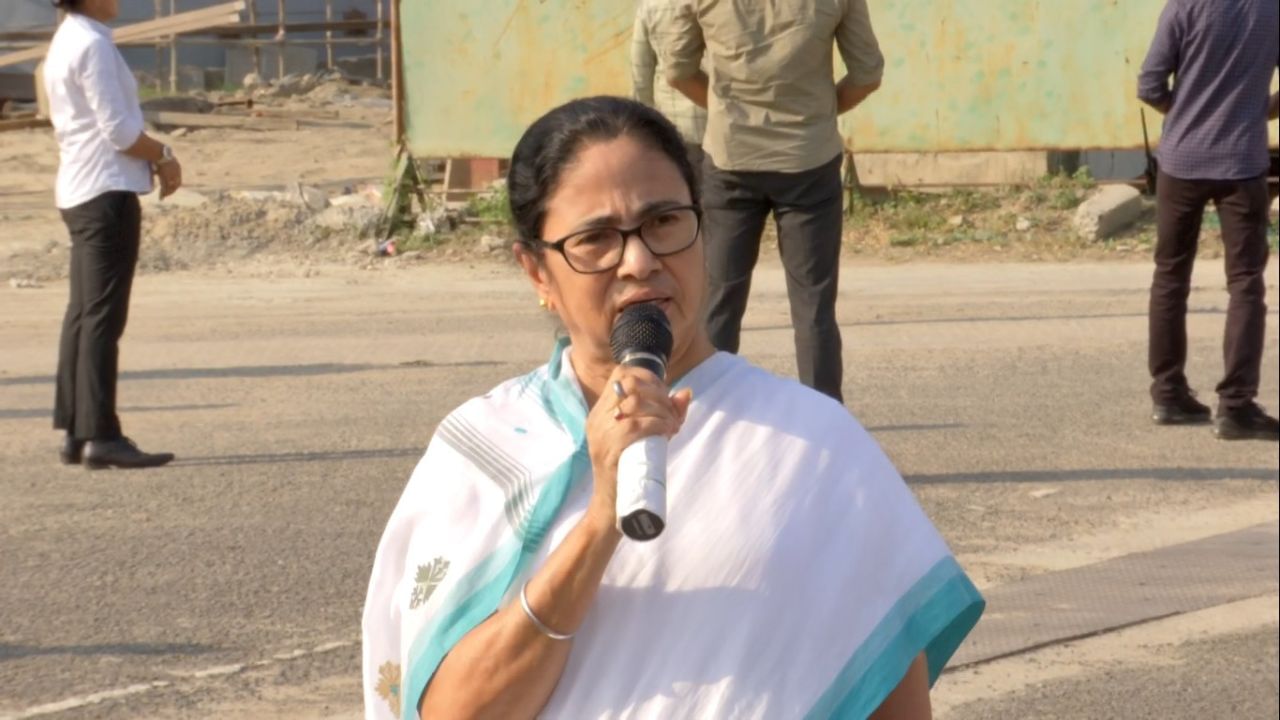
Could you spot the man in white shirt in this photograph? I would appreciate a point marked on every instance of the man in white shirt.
(106, 160)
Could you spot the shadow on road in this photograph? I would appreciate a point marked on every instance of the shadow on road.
(36, 413)
(295, 457)
(256, 371)
(995, 319)
(17, 652)
(1015, 476)
(914, 428)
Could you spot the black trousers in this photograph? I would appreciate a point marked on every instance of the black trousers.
(696, 158)
(808, 208)
(1242, 207)
(105, 233)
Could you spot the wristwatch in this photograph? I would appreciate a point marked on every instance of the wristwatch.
(167, 155)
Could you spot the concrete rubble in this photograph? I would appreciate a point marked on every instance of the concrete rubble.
(1109, 210)
(493, 244)
(182, 198)
(356, 219)
(314, 198)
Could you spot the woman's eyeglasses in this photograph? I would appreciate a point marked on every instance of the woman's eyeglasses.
(666, 232)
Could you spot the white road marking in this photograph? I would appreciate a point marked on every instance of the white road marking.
(79, 701)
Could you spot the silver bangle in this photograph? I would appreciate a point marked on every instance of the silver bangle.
(524, 603)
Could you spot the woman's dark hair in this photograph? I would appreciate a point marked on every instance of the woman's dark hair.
(554, 140)
(68, 5)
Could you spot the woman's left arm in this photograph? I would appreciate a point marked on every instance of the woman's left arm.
(910, 700)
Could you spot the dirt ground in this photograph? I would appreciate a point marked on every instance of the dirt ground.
(347, 151)
(336, 155)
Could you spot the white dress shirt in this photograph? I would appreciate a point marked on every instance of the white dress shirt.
(93, 103)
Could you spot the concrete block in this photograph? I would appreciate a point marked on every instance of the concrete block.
(314, 198)
(352, 219)
(1108, 211)
(266, 196)
(353, 200)
(181, 198)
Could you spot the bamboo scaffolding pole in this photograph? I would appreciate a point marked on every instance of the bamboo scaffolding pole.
(157, 9)
(397, 76)
(166, 25)
(378, 38)
(257, 51)
(328, 34)
(280, 37)
(173, 52)
(149, 31)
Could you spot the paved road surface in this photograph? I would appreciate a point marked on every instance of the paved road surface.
(1013, 397)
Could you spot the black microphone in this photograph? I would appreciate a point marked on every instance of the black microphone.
(642, 338)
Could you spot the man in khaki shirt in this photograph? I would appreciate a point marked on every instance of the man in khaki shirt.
(772, 145)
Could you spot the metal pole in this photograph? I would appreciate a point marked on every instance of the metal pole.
(328, 34)
(280, 35)
(378, 39)
(257, 51)
(173, 53)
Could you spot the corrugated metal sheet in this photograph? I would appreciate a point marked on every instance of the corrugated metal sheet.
(960, 74)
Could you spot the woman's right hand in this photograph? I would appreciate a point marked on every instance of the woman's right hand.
(646, 410)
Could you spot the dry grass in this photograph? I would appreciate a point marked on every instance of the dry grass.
(1026, 223)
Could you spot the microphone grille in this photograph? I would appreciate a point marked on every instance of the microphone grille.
(642, 328)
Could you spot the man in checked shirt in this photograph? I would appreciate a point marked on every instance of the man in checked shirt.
(1221, 54)
(649, 83)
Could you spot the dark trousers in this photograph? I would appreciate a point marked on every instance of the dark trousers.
(1242, 207)
(809, 211)
(104, 252)
(696, 158)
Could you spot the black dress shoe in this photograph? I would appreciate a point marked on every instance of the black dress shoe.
(1186, 410)
(72, 450)
(122, 453)
(1246, 423)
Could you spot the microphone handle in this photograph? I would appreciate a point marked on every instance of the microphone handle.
(642, 488)
(642, 471)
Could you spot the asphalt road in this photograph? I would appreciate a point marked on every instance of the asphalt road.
(1012, 397)
(1233, 676)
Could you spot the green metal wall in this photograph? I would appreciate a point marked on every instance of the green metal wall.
(960, 74)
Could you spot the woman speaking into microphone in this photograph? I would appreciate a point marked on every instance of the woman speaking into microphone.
(795, 577)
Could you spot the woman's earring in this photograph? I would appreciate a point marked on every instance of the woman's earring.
(542, 302)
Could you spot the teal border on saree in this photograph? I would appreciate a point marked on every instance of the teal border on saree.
(933, 617)
(479, 593)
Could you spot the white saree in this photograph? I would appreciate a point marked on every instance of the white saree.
(797, 576)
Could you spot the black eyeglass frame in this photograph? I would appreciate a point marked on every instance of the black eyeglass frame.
(626, 233)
